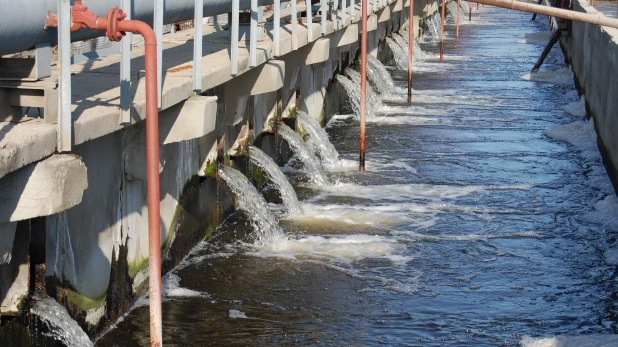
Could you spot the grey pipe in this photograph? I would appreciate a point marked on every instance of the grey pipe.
(22, 22)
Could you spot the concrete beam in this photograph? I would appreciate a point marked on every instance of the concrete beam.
(372, 22)
(385, 15)
(196, 118)
(345, 37)
(269, 77)
(14, 268)
(398, 7)
(44, 188)
(318, 51)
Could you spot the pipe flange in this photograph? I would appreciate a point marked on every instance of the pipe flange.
(114, 16)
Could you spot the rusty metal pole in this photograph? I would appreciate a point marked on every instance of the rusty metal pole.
(115, 27)
(363, 73)
(477, 6)
(442, 33)
(410, 50)
(457, 31)
(599, 19)
(469, 10)
(592, 3)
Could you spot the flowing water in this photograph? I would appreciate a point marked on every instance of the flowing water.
(288, 195)
(380, 78)
(399, 54)
(318, 139)
(57, 322)
(433, 28)
(485, 219)
(312, 163)
(373, 99)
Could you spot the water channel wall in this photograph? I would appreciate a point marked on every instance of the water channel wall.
(592, 52)
(91, 253)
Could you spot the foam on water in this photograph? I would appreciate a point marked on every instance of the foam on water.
(338, 248)
(172, 288)
(581, 134)
(373, 216)
(235, 314)
(577, 108)
(562, 76)
(571, 341)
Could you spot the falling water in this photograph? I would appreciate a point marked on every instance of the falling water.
(56, 319)
(312, 163)
(433, 24)
(373, 100)
(353, 92)
(399, 54)
(288, 195)
(451, 9)
(264, 221)
(319, 139)
(376, 73)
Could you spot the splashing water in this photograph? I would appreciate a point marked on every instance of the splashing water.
(399, 54)
(373, 100)
(433, 26)
(319, 139)
(312, 163)
(451, 10)
(288, 195)
(353, 92)
(56, 318)
(264, 221)
(376, 73)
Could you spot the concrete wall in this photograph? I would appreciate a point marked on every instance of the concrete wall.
(592, 51)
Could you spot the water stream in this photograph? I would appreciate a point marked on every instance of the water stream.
(288, 195)
(55, 318)
(311, 162)
(380, 78)
(485, 219)
(318, 139)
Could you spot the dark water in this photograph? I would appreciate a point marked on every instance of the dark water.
(470, 227)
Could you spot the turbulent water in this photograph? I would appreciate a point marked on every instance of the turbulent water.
(311, 162)
(318, 139)
(288, 195)
(58, 323)
(485, 218)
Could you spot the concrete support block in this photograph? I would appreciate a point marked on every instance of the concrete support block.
(196, 118)
(345, 37)
(318, 51)
(269, 77)
(14, 266)
(264, 112)
(372, 22)
(42, 189)
(398, 7)
(313, 81)
(384, 15)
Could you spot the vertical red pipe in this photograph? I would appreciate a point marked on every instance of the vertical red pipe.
(457, 32)
(442, 34)
(410, 49)
(363, 73)
(469, 11)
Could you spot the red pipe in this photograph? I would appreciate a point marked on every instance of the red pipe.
(442, 34)
(410, 50)
(363, 73)
(115, 26)
(457, 32)
(469, 11)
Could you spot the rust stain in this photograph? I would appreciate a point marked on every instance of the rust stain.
(180, 68)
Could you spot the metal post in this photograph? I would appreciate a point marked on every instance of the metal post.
(158, 29)
(554, 38)
(294, 25)
(323, 16)
(125, 69)
(457, 31)
(344, 13)
(442, 33)
(363, 73)
(309, 21)
(592, 3)
(410, 49)
(197, 45)
(276, 25)
(234, 37)
(64, 65)
(469, 10)
(353, 12)
(253, 33)
(335, 6)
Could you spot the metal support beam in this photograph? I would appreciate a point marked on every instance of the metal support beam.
(353, 12)
(442, 31)
(197, 45)
(344, 13)
(323, 16)
(64, 76)
(309, 20)
(253, 34)
(276, 25)
(554, 38)
(458, 7)
(294, 25)
(158, 29)
(234, 37)
(334, 14)
(410, 49)
(363, 73)
(469, 10)
(125, 68)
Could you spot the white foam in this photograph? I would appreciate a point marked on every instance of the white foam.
(468, 237)
(335, 248)
(537, 38)
(235, 314)
(571, 341)
(370, 165)
(372, 216)
(562, 76)
(577, 108)
(581, 134)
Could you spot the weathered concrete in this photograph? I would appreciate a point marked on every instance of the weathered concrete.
(14, 267)
(592, 51)
(44, 188)
(196, 119)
